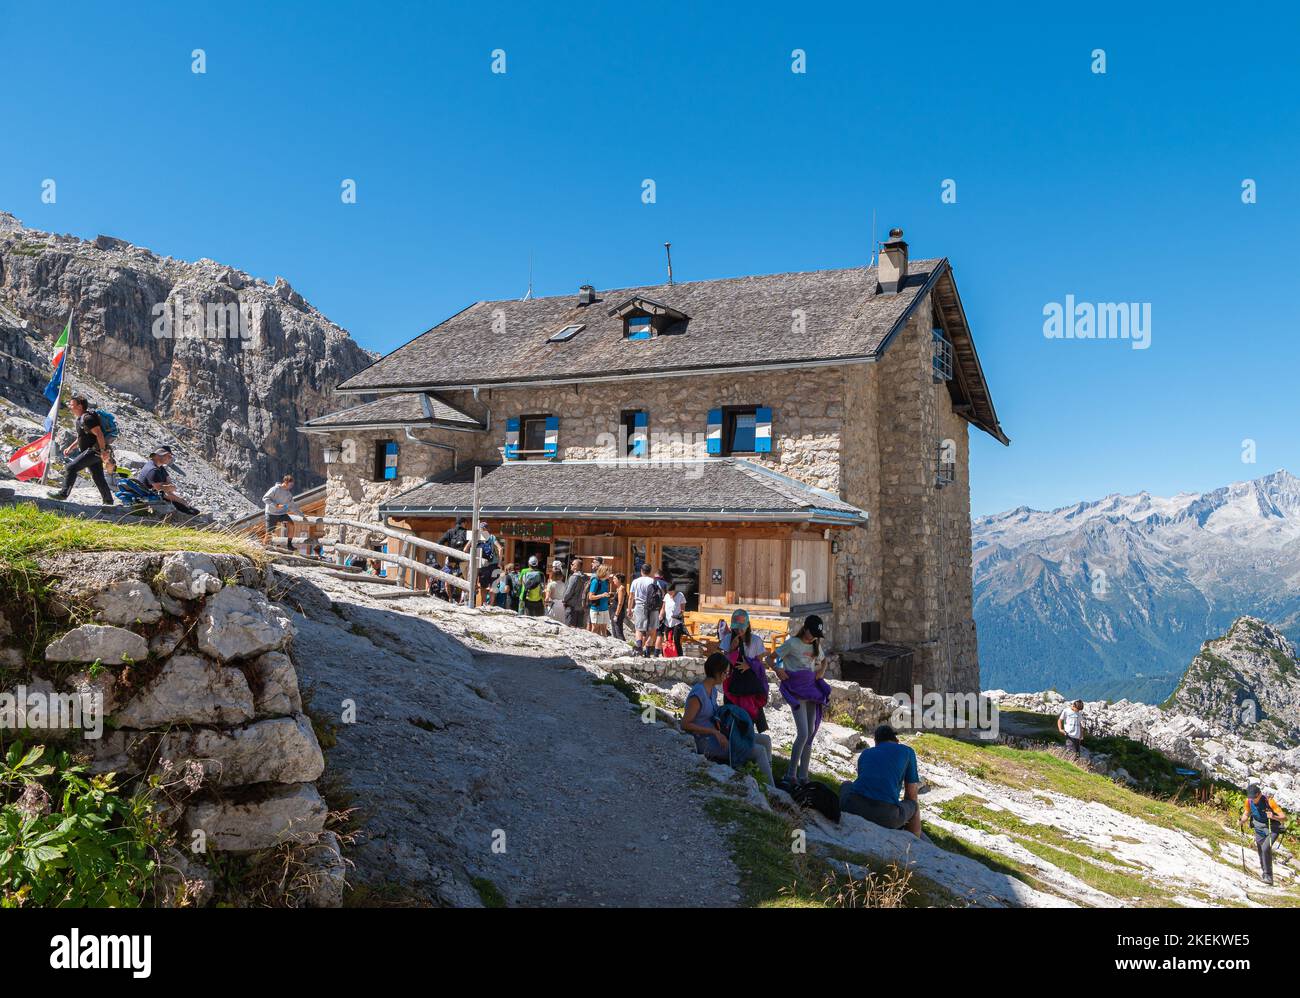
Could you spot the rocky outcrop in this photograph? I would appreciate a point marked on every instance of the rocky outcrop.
(1246, 682)
(192, 686)
(229, 363)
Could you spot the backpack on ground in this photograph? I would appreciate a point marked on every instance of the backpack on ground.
(818, 797)
(107, 423)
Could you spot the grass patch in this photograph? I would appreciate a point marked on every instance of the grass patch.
(488, 893)
(621, 683)
(1019, 768)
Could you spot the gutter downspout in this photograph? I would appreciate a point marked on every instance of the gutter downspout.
(455, 464)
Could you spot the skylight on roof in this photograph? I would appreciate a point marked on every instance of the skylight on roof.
(565, 334)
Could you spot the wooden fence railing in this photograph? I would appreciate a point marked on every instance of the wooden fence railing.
(409, 544)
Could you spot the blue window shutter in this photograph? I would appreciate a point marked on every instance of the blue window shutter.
(390, 461)
(715, 431)
(639, 328)
(512, 438)
(640, 434)
(763, 431)
(552, 436)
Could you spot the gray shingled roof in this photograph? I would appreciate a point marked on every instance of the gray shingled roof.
(735, 322)
(405, 409)
(717, 489)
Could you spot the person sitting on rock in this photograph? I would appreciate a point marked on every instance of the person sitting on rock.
(882, 771)
(700, 720)
(1266, 820)
(153, 476)
(1070, 724)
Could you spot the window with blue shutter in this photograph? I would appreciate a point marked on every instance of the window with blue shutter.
(512, 438)
(714, 437)
(640, 434)
(762, 430)
(743, 432)
(390, 461)
(552, 448)
(639, 327)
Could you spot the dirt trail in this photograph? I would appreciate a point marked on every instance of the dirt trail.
(477, 729)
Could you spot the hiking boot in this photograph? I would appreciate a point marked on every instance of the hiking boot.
(57, 496)
(1266, 881)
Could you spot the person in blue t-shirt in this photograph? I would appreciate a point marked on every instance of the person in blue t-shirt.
(883, 771)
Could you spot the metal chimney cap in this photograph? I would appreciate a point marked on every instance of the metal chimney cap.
(896, 235)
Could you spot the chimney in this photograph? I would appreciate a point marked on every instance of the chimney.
(891, 271)
(586, 295)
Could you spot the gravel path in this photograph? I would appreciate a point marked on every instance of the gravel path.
(597, 807)
(479, 729)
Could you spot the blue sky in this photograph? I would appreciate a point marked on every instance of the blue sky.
(1118, 187)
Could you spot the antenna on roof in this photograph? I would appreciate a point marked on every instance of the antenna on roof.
(668, 248)
(874, 245)
(529, 293)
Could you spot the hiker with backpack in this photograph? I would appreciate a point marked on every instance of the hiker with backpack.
(647, 600)
(598, 597)
(746, 683)
(93, 448)
(724, 733)
(883, 770)
(503, 589)
(799, 664)
(1266, 820)
(277, 502)
(152, 482)
(489, 561)
(532, 589)
(455, 537)
(575, 596)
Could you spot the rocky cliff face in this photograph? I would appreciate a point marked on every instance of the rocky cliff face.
(229, 363)
(1246, 682)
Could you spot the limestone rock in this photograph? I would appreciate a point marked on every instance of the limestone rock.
(122, 751)
(190, 575)
(96, 691)
(190, 690)
(280, 750)
(130, 601)
(294, 813)
(166, 641)
(275, 685)
(97, 643)
(240, 623)
(326, 872)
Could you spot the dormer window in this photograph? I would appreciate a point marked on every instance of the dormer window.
(638, 327)
(644, 318)
(565, 334)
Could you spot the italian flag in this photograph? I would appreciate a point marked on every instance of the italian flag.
(29, 462)
(61, 345)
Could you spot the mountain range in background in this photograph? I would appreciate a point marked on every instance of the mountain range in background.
(1111, 599)
(233, 392)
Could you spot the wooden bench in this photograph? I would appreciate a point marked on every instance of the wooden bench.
(702, 628)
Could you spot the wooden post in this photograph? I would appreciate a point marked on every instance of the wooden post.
(473, 548)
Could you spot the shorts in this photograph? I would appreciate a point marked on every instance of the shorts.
(644, 619)
(600, 617)
(275, 519)
(487, 575)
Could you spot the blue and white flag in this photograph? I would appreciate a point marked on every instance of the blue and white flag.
(53, 417)
(56, 382)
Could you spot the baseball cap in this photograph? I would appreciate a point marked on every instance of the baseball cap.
(813, 624)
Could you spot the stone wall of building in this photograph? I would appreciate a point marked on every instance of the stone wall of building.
(925, 531)
(807, 406)
(350, 489)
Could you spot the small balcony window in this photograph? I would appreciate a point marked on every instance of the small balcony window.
(941, 362)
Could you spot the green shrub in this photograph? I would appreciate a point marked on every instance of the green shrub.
(69, 839)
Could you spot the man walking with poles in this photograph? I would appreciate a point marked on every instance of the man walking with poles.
(1265, 819)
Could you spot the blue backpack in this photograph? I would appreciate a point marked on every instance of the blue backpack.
(739, 729)
(107, 423)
